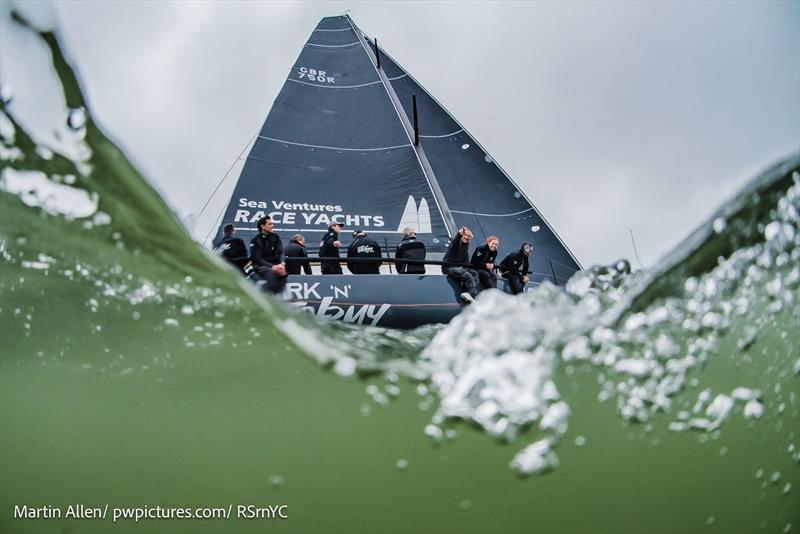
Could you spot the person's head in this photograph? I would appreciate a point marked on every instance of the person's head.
(493, 242)
(299, 239)
(336, 227)
(265, 224)
(526, 248)
(359, 233)
(409, 232)
(227, 230)
(466, 235)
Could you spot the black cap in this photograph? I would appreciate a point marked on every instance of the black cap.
(357, 232)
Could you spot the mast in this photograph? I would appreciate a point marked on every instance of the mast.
(427, 170)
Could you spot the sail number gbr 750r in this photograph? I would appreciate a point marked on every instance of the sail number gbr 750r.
(314, 75)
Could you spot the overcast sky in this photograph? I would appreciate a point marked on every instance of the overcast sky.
(610, 115)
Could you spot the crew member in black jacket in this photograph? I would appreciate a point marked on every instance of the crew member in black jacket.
(329, 247)
(364, 247)
(297, 249)
(514, 268)
(266, 253)
(231, 248)
(483, 259)
(458, 252)
(410, 249)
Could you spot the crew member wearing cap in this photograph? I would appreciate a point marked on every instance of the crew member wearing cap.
(364, 247)
(514, 268)
(329, 248)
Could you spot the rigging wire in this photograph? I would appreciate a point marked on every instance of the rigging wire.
(214, 225)
(225, 177)
(635, 252)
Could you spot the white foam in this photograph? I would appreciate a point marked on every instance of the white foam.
(34, 189)
(536, 458)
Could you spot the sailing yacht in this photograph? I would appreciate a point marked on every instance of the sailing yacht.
(353, 138)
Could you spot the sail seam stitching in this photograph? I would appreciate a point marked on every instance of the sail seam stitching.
(333, 46)
(441, 136)
(333, 86)
(492, 214)
(331, 147)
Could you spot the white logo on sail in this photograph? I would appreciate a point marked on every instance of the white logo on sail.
(417, 218)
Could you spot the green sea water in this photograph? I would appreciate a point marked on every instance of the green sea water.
(138, 371)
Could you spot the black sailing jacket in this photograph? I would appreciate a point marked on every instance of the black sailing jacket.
(482, 256)
(233, 249)
(457, 252)
(326, 247)
(293, 266)
(266, 250)
(364, 247)
(410, 249)
(515, 264)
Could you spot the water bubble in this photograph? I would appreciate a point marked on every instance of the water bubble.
(6, 93)
(187, 310)
(753, 409)
(535, 458)
(434, 432)
(723, 451)
(772, 230)
(580, 441)
(710, 520)
(719, 224)
(776, 476)
(345, 366)
(401, 464)
(465, 504)
(170, 322)
(44, 153)
(101, 218)
(276, 481)
(76, 119)
(787, 488)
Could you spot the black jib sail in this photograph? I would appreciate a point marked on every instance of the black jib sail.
(353, 138)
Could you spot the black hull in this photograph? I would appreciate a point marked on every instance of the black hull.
(392, 301)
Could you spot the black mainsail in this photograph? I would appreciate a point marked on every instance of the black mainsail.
(339, 145)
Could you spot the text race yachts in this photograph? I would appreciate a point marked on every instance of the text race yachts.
(288, 213)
